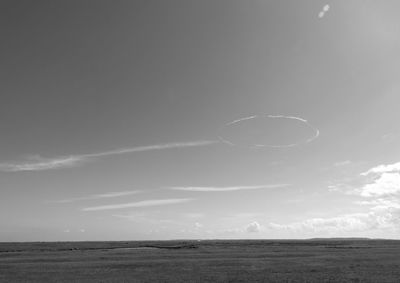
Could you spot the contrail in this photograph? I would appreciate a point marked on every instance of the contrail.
(39, 163)
(229, 189)
(144, 203)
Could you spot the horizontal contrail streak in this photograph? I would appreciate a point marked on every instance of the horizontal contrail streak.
(40, 164)
(151, 148)
(144, 203)
(228, 189)
(98, 196)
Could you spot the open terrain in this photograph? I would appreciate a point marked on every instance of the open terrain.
(318, 260)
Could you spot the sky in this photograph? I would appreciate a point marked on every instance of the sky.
(155, 120)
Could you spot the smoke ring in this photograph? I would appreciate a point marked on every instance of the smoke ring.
(306, 141)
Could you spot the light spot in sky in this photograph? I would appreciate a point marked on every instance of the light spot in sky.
(324, 10)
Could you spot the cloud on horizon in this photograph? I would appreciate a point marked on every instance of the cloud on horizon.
(38, 163)
(253, 227)
(379, 191)
(344, 223)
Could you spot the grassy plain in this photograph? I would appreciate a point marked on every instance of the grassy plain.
(320, 260)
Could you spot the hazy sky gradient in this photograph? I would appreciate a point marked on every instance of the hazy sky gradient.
(104, 98)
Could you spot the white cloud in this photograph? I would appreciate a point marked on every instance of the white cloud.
(39, 164)
(193, 215)
(151, 148)
(97, 196)
(381, 203)
(395, 167)
(116, 194)
(253, 227)
(149, 218)
(380, 192)
(387, 184)
(144, 203)
(376, 219)
(343, 188)
(350, 222)
(384, 181)
(390, 137)
(342, 163)
(228, 189)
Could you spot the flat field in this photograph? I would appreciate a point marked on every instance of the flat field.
(202, 261)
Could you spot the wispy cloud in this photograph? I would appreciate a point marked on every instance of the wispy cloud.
(381, 203)
(253, 227)
(157, 218)
(388, 184)
(349, 222)
(97, 196)
(383, 168)
(144, 203)
(38, 163)
(390, 137)
(372, 220)
(342, 163)
(228, 189)
(383, 181)
(379, 190)
(151, 148)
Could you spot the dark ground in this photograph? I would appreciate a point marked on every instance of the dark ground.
(332, 260)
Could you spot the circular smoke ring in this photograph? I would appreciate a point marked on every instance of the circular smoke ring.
(312, 137)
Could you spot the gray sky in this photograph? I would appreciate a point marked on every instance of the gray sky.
(151, 119)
